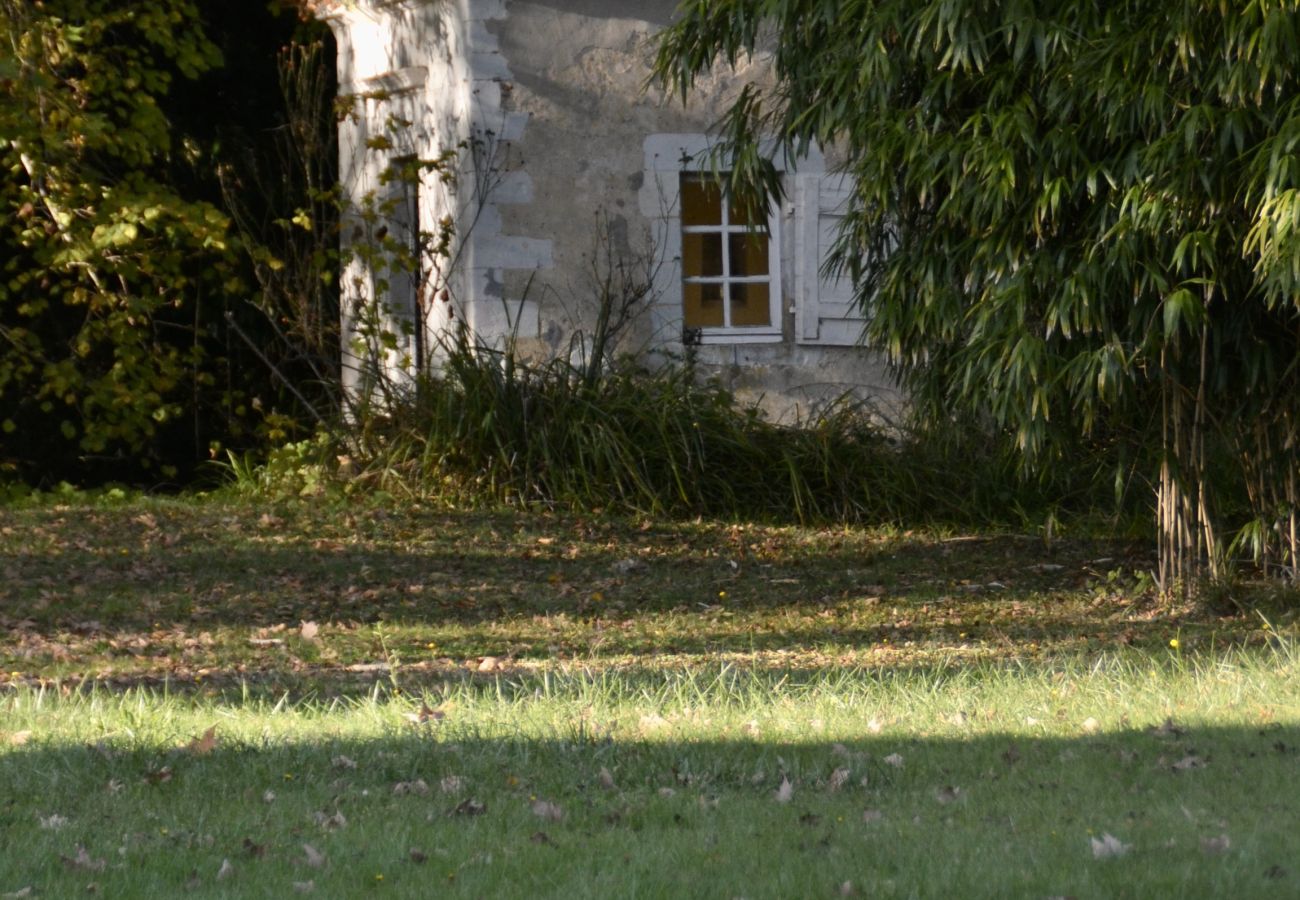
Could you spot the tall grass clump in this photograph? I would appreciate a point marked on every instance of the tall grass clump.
(489, 427)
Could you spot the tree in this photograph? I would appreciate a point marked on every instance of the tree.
(1065, 214)
(106, 254)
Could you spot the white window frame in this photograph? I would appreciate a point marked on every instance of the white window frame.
(668, 157)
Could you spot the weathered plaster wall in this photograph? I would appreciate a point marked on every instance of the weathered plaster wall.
(578, 70)
(551, 98)
(401, 67)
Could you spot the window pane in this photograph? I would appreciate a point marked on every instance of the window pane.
(748, 254)
(749, 304)
(701, 201)
(702, 255)
(702, 305)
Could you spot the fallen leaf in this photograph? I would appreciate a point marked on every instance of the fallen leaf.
(18, 738)
(605, 779)
(948, 794)
(419, 857)
(489, 664)
(204, 744)
(330, 822)
(872, 815)
(540, 837)
(268, 796)
(785, 792)
(1212, 846)
(1011, 755)
(547, 811)
(52, 822)
(1108, 846)
(838, 779)
(225, 871)
(425, 715)
(1168, 728)
(312, 856)
(343, 762)
(652, 721)
(1090, 725)
(308, 631)
(470, 807)
(667, 792)
(894, 760)
(417, 787)
(304, 887)
(874, 726)
(846, 889)
(255, 850)
(83, 861)
(451, 784)
(21, 892)
(1191, 761)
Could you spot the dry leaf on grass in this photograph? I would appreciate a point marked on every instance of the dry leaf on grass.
(304, 887)
(1091, 725)
(204, 744)
(846, 889)
(948, 794)
(425, 715)
(312, 856)
(1108, 846)
(418, 856)
(1168, 728)
(451, 784)
(52, 822)
(329, 822)
(894, 760)
(84, 861)
(417, 787)
(547, 811)
(18, 738)
(785, 792)
(872, 815)
(343, 762)
(1212, 846)
(1189, 762)
(225, 871)
(21, 892)
(308, 631)
(838, 779)
(470, 807)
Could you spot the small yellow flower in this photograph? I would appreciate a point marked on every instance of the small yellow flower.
(722, 595)
(1173, 642)
(379, 876)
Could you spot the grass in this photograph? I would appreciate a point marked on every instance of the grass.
(624, 700)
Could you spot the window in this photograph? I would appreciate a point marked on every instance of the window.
(729, 283)
(735, 279)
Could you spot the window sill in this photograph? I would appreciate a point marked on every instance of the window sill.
(712, 336)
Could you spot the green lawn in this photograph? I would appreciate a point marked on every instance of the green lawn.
(417, 702)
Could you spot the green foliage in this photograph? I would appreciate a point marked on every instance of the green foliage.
(1065, 214)
(489, 428)
(108, 255)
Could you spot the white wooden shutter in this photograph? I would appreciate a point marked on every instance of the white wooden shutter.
(824, 309)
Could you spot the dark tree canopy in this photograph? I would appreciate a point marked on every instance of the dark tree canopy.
(1066, 215)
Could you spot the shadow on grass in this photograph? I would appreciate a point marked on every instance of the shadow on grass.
(1195, 812)
(145, 592)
